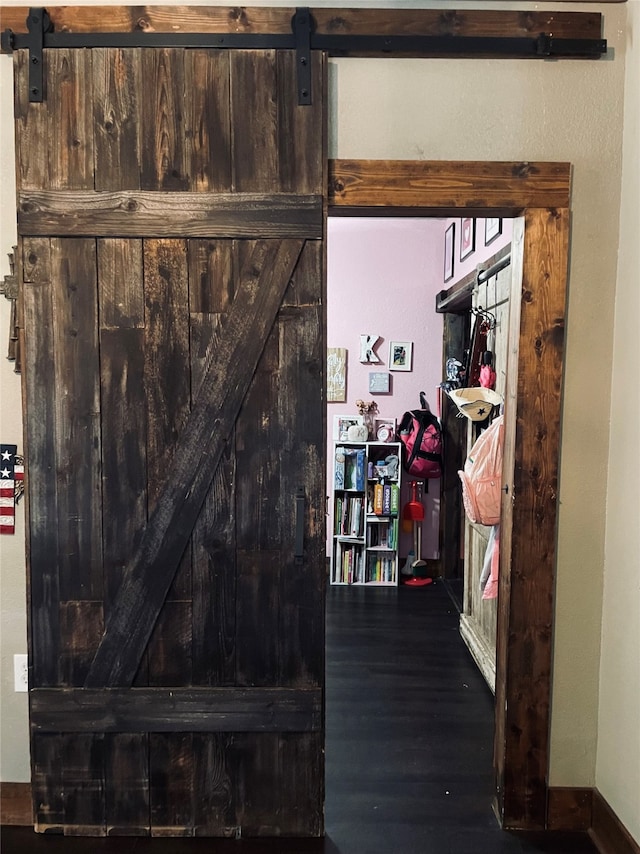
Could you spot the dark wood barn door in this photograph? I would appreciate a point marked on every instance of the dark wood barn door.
(170, 210)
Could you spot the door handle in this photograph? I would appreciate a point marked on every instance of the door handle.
(300, 506)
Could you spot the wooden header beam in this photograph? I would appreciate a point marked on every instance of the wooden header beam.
(445, 187)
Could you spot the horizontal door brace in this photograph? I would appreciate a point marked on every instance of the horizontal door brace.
(302, 39)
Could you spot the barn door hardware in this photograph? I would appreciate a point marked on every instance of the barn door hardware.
(299, 545)
(303, 39)
(9, 287)
(301, 24)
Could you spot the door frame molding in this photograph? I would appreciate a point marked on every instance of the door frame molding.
(539, 194)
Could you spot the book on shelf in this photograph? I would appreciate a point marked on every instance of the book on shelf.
(349, 468)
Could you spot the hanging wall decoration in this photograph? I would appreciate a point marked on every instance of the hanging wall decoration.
(492, 228)
(379, 382)
(467, 236)
(11, 486)
(336, 374)
(367, 343)
(449, 240)
(400, 353)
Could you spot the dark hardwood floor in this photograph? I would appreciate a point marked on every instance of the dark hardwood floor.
(408, 752)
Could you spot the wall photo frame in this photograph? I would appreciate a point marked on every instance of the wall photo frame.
(467, 237)
(449, 242)
(341, 424)
(492, 228)
(400, 355)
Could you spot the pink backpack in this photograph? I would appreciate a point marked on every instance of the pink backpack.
(482, 476)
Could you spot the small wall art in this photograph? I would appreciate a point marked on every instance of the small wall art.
(336, 374)
(379, 382)
(449, 241)
(467, 237)
(400, 354)
(492, 228)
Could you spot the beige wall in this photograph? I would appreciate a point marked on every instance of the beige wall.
(508, 110)
(618, 755)
(14, 744)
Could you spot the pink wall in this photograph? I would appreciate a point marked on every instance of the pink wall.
(383, 275)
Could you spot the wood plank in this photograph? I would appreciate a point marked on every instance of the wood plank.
(36, 260)
(124, 424)
(117, 92)
(171, 776)
(46, 776)
(166, 376)
(506, 511)
(254, 122)
(210, 282)
(164, 159)
(81, 627)
(32, 162)
(40, 442)
(215, 807)
(196, 458)
(70, 119)
(247, 19)
(121, 291)
(527, 618)
(77, 433)
(447, 185)
(301, 161)
(301, 413)
(130, 710)
(290, 805)
(569, 808)
(207, 119)
(127, 784)
(83, 784)
(159, 214)
(214, 543)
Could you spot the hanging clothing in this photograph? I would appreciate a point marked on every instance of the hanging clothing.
(489, 574)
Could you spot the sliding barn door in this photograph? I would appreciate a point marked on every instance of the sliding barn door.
(170, 215)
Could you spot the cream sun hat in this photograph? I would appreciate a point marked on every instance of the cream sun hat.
(475, 403)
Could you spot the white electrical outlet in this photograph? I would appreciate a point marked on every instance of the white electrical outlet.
(21, 672)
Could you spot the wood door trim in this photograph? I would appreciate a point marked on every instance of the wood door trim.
(446, 186)
(136, 213)
(526, 605)
(208, 709)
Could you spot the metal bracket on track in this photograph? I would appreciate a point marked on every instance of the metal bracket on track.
(38, 23)
(301, 25)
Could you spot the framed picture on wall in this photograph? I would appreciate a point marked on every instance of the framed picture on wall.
(492, 228)
(379, 382)
(400, 353)
(467, 236)
(449, 240)
(341, 424)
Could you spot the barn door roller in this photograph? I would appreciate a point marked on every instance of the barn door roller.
(303, 39)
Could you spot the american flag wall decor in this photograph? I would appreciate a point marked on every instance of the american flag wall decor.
(11, 476)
